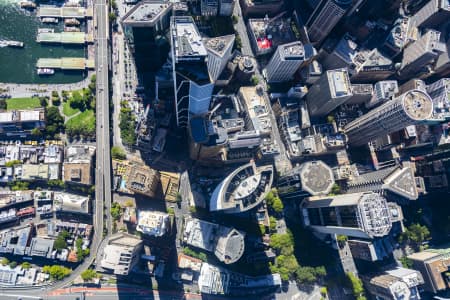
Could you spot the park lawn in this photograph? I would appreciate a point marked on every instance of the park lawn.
(85, 120)
(22, 103)
(68, 111)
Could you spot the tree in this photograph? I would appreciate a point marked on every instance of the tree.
(25, 265)
(336, 189)
(200, 255)
(330, 119)
(283, 243)
(272, 223)
(3, 104)
(57, 272)
(118, 153)
(55, 122)
(356, 286)
(13, 264)
(78, 101)
(60, 243)
(285, 265)
(171, 211)
(415, 234)
(305, 275)
(19, 185)
(4, 261)
(44, 101)
(116, 211)
(341, 239)
(88, 274)
(179, 199)
(235, 19)
(129, 203)
(55, 94)
(112, 17)
(277, 205)
(127, 126)
(36, 132)
(406, 262)
(254, 80)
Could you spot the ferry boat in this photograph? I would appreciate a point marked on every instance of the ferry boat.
(71, 22)
(6, 43)
(46, 30)
(27, 4)
(71, 29)
(50, 20)
(45, 71)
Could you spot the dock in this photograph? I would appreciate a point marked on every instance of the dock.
(66, 63)
(65, 37)
(64, 12)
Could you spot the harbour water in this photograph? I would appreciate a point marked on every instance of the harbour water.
(18, 65)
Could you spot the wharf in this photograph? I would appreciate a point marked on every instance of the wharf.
(65, 37)
(64, 12)
(66, 63)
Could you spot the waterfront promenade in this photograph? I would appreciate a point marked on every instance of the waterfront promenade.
(29, 90)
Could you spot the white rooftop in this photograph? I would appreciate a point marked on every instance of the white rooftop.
(187, 39)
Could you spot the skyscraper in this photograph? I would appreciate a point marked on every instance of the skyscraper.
(407, 109)
(362, 215)
(209, 8)
(192, 84)
(219, 53)
(331, 90)
(434, 13)
(226, 7)
(418, 57)
(325, 16)
(286, 61)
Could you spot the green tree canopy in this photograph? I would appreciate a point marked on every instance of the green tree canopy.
(89, 274)
(57, 272)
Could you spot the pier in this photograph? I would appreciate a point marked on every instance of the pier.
(64, 12)
(66, 63)
(65, 37)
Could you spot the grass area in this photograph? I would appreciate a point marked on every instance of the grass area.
(22, 103)
(84, 122)
(68, 111)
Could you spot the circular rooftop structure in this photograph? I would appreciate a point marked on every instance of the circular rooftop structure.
(230, 247)
(316, 177)
(417, 105)
(243, 189)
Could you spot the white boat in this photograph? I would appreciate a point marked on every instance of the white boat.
(45, 71)
(27, 4)
(6, 43)
(46, 30)
(50, 20)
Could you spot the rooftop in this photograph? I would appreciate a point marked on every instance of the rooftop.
(186, 38)
(317, 178)
(219, 45)
(417, 104)
(243, 189)
(22, 116)
(146, 12)
(71, 203)
(339, 83)
(253, 98)
(227, 243)
(120, 253)
(152, 223)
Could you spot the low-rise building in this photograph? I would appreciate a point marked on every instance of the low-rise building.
(152, 223)
(433, 265)
(395, 284)
(71, 203)
(77, 167)
(20, 123)
(121, 254)
(43, 172)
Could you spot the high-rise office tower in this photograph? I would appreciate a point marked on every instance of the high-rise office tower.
(439, 92)
(419, 57)
(209, 8)
(331, 90)
(226, 7)
(434, 13)
(287, 60)
(325, 16)
(192, 84)
(219, 53)
(142, 25)
(361, 215)
(382, 92)
(407, 109)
